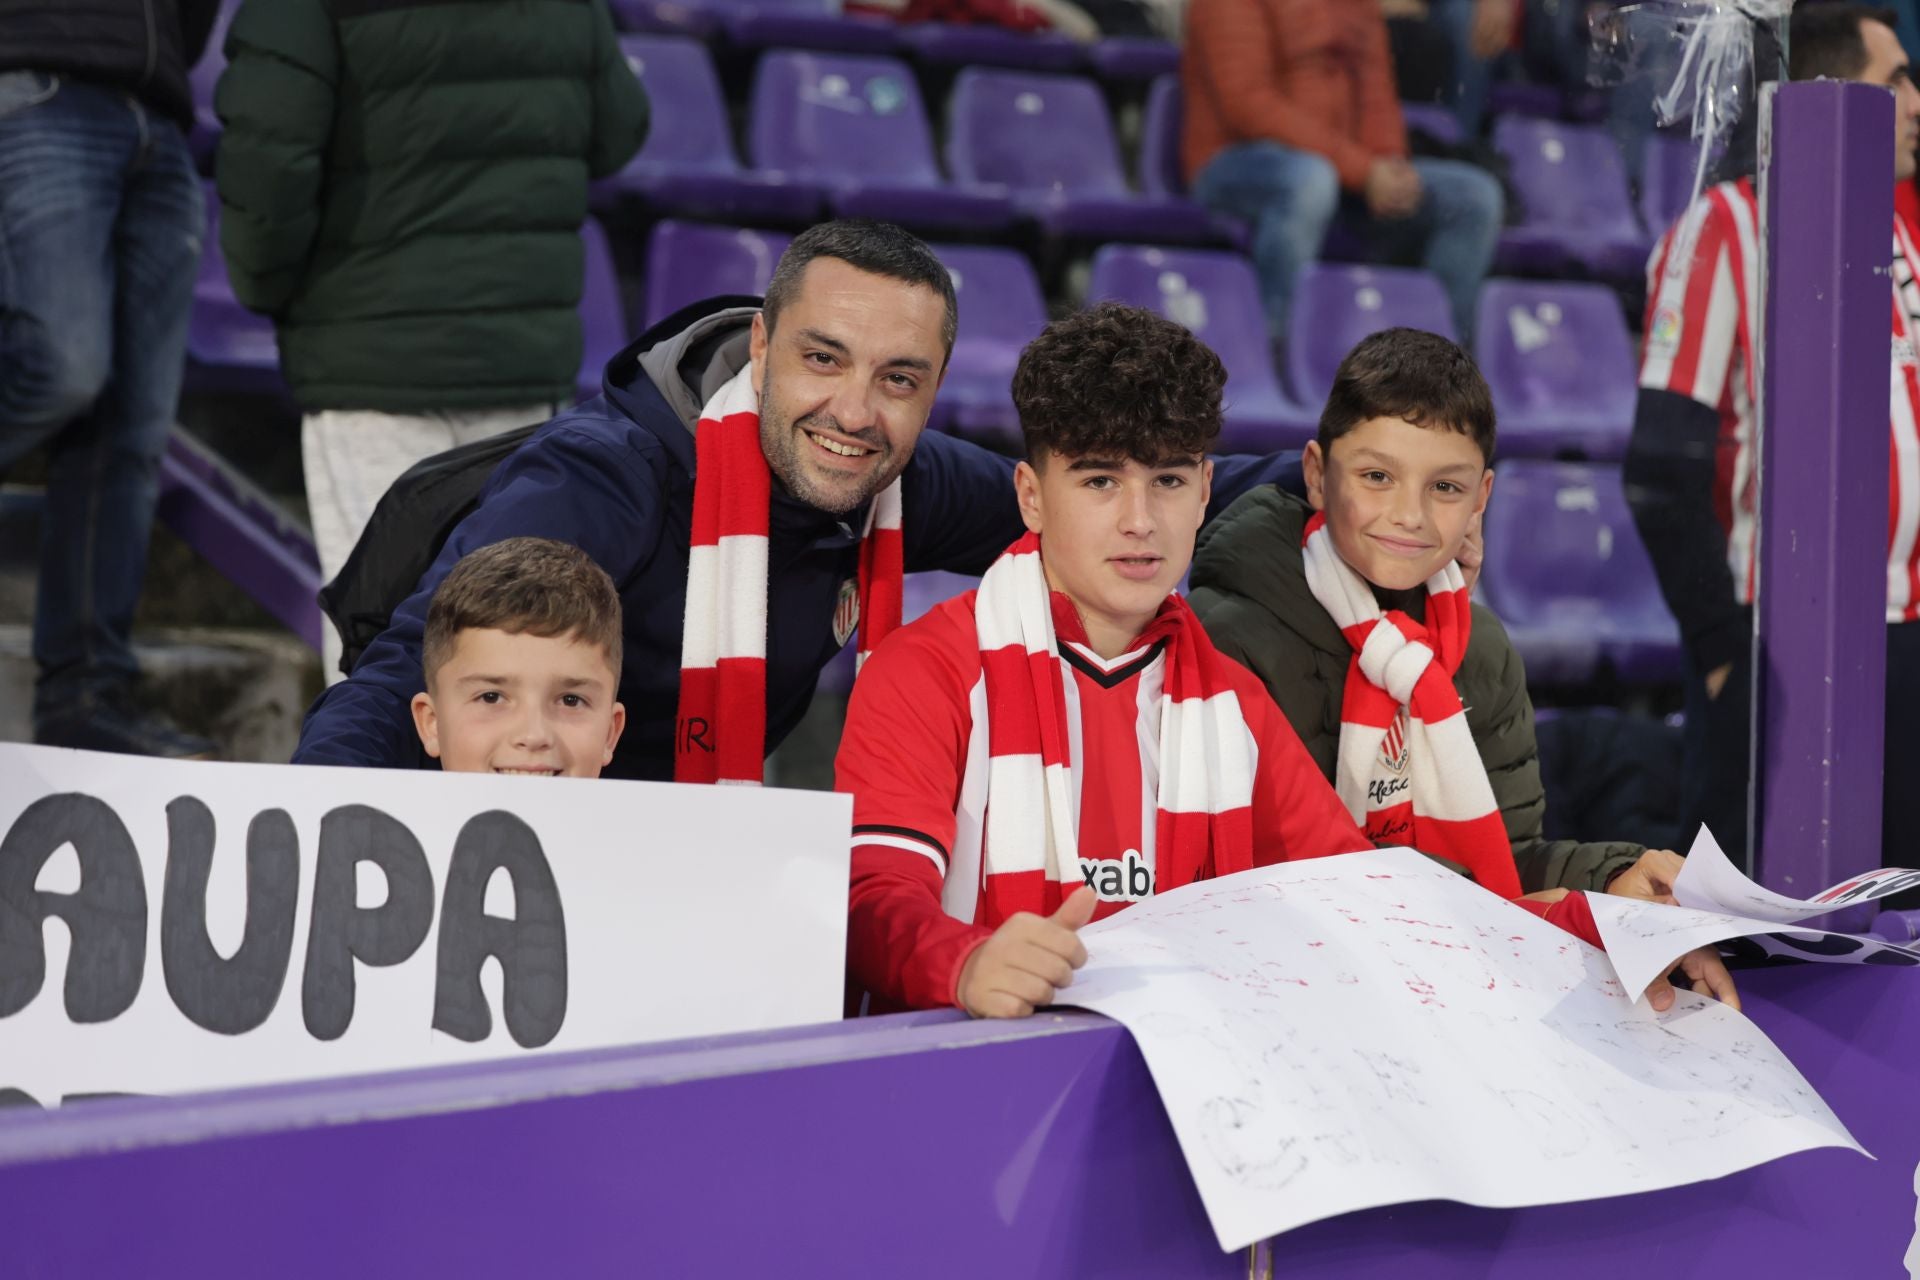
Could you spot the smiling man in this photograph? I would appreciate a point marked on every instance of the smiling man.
(755, 480)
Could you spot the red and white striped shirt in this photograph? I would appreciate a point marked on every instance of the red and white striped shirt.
(1703, 329)
(919, 898)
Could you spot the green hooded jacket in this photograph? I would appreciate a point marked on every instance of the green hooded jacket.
(1250, 589)
(402, 184)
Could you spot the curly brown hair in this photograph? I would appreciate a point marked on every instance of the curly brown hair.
(524, 586)
(1116, 381)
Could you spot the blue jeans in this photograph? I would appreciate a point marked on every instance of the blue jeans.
(101, 219)
(1291, 197)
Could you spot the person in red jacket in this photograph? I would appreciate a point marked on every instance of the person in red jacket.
(1292, 119)
(1066, 741)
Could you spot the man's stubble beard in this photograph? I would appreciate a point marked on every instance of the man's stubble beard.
(780, 442)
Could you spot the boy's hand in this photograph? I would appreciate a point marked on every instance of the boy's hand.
(1706, 972)
(1472, 553)
(1651, 878)
(1026, 960)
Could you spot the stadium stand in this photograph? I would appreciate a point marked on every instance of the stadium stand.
(1561, 364)
(688, 261)
(856, 126)
(1001, 310)
(1215, 295)
(1336, 306)
(1579, 216)
(1567, 574)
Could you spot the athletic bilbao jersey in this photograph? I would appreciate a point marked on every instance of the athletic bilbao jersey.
(916, 911)
(1702, 335)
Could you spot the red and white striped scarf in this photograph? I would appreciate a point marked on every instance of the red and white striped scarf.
(721, 732)
(1408, 770)
(1026, 845)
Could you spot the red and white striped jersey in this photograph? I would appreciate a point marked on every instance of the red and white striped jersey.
(919, 901)
(1703, 328)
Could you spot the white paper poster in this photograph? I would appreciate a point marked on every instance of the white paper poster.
(1372, 1029)
(1719, 904)
(168, 926)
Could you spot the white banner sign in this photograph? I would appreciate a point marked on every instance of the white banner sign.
(1365, 1030)
(169, 926)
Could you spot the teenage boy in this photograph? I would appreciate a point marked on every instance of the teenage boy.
(1352, 610)
(1066, 740)
(522, 663)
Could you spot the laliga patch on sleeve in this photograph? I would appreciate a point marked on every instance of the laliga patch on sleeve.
(1664, 334)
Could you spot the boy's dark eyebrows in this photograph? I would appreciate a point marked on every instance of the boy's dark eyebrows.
(1097, 464)
(818, 338)
(482, 678)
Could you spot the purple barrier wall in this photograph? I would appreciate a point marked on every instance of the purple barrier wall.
(917, 1145)
(1821, 674)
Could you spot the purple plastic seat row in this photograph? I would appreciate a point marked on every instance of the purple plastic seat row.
(855, 127)
(1579, 216)
(1561, 365)
(1567, 574)
(1335, 306)
(1049, 139)
(822, 25)
(1214, 294)
(691, 168)
(689, 262)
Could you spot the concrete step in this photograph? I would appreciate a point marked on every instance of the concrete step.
(246, 689)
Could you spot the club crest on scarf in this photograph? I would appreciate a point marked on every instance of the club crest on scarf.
(1393, 745)
(846, 614)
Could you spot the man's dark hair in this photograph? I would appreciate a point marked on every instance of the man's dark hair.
(524, 586)
(1411, 374)
(1825, 40)
(879, 248)
(1117, 382)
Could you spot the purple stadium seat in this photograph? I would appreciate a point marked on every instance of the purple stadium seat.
(807, 24)
(944, 44)
(1336, 306)
(855, 125)
(687, 262)
(688, 165)
(1215, 295)
(1561, 365)
(1125, 59)
(1567, 574)
(204, 136)
(1573, 188)
(603, 317)
(702, 21)
(1048, 137)
(229, 348)
(1518, 98)
(1432, 119)
(1666, 181)
(1001, 310)
(1160, 174)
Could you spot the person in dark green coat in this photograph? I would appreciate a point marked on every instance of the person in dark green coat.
(1401, 470)
(402, 185)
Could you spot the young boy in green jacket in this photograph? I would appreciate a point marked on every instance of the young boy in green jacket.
(1351, 608)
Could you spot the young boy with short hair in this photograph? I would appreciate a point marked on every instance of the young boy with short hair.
(1350, 607)
(522, 663)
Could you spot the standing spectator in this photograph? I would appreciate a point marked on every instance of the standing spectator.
(1691, 467)
(1291, 119)
(101, 219)
(402, 184)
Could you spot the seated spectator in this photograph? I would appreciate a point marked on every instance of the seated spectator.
(1066, 740)
(1352, 610)
(809, 451)
(522, 664)
(1292, 121)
